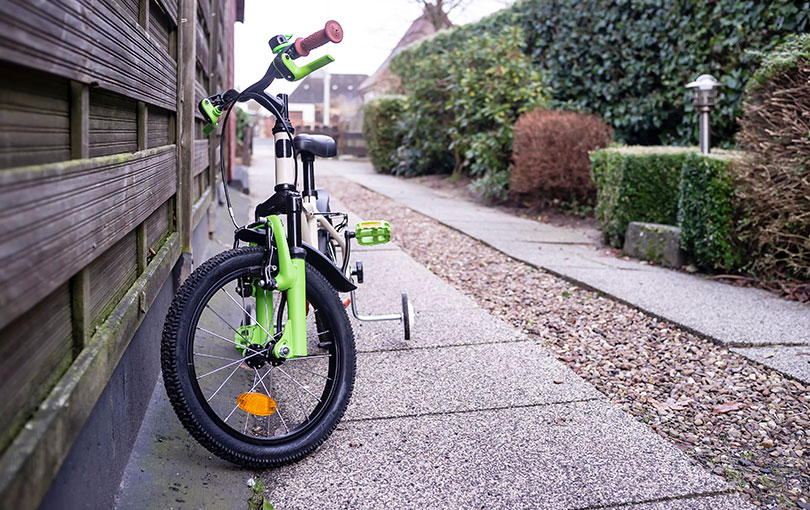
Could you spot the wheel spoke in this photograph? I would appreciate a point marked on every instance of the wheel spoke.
(226, 323)
(227, 339)
(212, 356)
(223, 367)
(246, 312)
(299, 384)
(223, 384)
(310, 357)
(299, 367)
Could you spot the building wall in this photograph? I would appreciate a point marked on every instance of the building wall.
(105, 176)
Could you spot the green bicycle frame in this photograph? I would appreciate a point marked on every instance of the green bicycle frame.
(291, 278)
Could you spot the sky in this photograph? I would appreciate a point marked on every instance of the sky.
(371, 29)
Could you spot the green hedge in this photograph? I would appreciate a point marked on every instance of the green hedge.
(463, 100)
(672, 186)
(706, 215)
(630, 62)
(636, 184)
(380, 117)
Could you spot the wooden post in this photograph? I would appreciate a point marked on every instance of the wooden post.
(80, 310)
(185, 112)
(143, 120)
(79, 120)
(215, 85)
(142, 247)
(143, 14)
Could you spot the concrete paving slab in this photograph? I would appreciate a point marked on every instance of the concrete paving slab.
(462, 378)
(571, 455)
(522, 230)
(434, 329)
(719, 502)
(389, 274)
(793, 361)
(734, 316)
(169, 470)
(560, 257)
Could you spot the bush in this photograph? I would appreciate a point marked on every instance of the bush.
(380, 117)
(773, 180)
(672, 186)
(629, 63)
(706, 214)
(636, 184)
(463, 100)
(550, 154)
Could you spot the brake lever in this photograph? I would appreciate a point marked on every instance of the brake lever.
(213, 107)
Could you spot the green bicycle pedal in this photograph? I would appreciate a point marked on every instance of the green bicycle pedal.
(369, 233)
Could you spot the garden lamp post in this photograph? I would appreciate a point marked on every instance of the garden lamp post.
(704, 98)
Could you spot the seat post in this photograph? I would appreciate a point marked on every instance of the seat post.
(308, 160)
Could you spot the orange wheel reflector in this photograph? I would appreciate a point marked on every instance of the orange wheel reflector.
(347, 302)
(257, 404)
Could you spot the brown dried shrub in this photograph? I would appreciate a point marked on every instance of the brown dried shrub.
(774, 180)
(550, 155)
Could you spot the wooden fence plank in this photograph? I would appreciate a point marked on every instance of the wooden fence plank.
(62, 216)
(202, 49)
(201, 206)
(26, 374)
(157, 226)
(170, 8)
(89, 42)
(158, 128)
(204, 14)
(110, 276)
(113, 124)
(199, 94)
(200, 156)
(160, 26)
(34, 117)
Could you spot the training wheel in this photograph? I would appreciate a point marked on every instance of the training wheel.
(407, 316)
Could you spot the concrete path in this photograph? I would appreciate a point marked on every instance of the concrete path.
(759, 324)
(468, 414)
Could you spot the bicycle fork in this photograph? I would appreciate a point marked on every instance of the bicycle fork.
(291, 280)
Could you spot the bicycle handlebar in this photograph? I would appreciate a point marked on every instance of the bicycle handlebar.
(331, 32)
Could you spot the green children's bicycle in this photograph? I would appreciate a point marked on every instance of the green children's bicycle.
(258, 353)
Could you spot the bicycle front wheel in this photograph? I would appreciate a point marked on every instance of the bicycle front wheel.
(211, 374)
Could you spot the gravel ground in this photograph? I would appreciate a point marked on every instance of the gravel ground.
(743, 421)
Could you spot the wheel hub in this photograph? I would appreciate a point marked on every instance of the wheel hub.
(258, 358)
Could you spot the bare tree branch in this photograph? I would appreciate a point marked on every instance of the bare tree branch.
(437, 10)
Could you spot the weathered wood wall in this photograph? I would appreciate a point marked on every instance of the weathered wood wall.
(104, 174)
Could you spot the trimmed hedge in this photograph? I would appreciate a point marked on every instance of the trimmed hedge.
(629, 61)
(672, 186)
(636, 184)
(380, 117)
(706, 214)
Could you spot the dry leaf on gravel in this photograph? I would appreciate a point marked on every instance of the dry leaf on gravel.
(728, 407)
(670, 404)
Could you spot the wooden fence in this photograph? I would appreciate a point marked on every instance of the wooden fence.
(104, 174)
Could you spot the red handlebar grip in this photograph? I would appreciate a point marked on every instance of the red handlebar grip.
(332, 32)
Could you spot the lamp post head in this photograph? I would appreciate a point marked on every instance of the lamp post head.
(704, 92)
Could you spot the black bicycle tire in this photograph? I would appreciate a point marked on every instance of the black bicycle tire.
(185, 401)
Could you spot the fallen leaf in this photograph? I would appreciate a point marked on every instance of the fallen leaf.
(670, 404)
(727, 407)
(769, 354)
